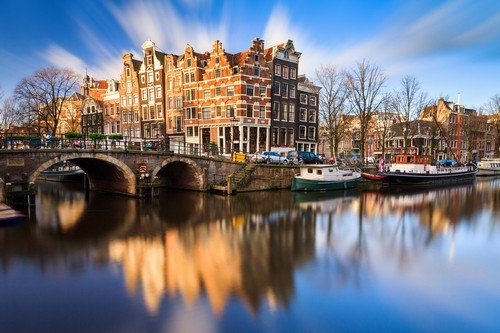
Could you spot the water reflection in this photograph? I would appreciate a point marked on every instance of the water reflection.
(252, 246)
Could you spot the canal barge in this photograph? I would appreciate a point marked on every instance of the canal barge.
(489, 167)
(325, 177)
(417, 169)
(63, 172)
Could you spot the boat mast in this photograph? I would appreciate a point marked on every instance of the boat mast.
(459, 129)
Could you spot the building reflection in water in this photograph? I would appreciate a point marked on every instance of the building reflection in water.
(195, 245)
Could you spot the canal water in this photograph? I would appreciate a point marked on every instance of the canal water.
(368, 260)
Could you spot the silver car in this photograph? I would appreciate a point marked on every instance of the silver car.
(272, 157)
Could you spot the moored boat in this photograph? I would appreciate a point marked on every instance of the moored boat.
(372, 176)
(63, 172)
(417, 169)
(8, 215)
(324, 177)
(488, 167)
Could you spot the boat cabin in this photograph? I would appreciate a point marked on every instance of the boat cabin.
(412, 164)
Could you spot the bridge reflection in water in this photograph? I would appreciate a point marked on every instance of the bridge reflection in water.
(275, 250)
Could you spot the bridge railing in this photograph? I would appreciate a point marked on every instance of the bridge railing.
(14, 141)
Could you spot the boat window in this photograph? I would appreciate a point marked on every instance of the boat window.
(410, 159)
(309, 170)
(319, 172)
(330, 170)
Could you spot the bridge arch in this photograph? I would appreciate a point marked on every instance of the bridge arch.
(180, 173)
(105, 173)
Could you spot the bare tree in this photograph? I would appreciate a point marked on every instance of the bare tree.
(407, 103)
(8, 114)
(384, 123)
(364, 86)
(332, 103)
(493, 108)
(44, 93)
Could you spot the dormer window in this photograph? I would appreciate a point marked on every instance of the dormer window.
(188, 63)
(286, 55)
(149, 60)
(127, 71)
(256, 58)
(235, 70)
(216, 60)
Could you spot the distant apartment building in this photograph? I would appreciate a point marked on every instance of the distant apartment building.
(307, 137)
(111, 104)
(129, 98)
(92, 117)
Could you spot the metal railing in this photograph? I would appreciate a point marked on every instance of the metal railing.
(166, 146)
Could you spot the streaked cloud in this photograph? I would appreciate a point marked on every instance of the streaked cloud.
(162, 23)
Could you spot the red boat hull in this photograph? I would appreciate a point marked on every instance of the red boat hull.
(371, 176)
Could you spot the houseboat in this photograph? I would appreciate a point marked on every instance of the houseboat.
(325, 177)
(488, 167)
(417, 169)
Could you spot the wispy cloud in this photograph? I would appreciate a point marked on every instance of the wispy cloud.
(59, 56)
(163, 24)
(405, 44)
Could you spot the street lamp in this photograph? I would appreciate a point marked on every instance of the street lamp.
(233, 120)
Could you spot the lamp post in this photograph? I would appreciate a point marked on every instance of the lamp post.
(233, 121)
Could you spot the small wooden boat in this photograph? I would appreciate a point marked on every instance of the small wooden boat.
(374, 177)
(324, 177)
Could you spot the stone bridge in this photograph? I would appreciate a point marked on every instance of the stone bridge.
(117, 171)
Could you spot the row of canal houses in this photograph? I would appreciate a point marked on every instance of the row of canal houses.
(249, 101)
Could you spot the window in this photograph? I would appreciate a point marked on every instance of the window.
(191, 113)
(157, 76)
(256, 71)
(192, 77)
(189, 131)
(205, 113)
(262, 91)
(303, 114)
(150, 77)
(158, 92)
(235, 70)
(312, 115)
(230, 111)
(136, 99)
(217, 73)
(291, 112)
(277, 70)
(284, 111)
(186, 78)
(188, 62)
(124, 101)
(284, 89)
(256, 58)
(206, 93)
(292, 91)
(152, 112)
(262, 112)
(170, 84)
(275, 110)
(311, 133)
(275, 136)
(129, 99)
(144, 94)
(129, 86)
(291, 138)
(151, 94)
(145, 112)
(159, 113)
(249, 90)
(230, 91)
(218, 111)
(282, 138)
(312, 100)
(285, 72)
(293, 73)
(249, 110)
(217, 91)
(149, 60)
(303, 99)
(216, 60)
(143, 79)
(302, 132)
(276, 88)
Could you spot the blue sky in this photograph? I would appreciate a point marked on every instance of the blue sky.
(451, 47)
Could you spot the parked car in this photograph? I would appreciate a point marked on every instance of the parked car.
(269, 157)
(303, 157)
